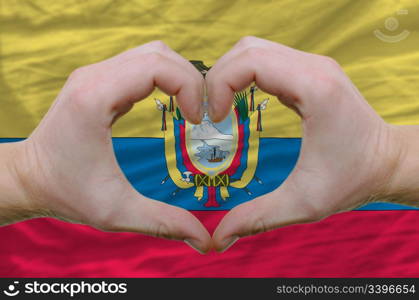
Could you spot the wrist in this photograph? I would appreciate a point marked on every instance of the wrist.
(403, 181)
(15, 201)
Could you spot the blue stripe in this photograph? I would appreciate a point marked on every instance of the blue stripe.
(143, 162)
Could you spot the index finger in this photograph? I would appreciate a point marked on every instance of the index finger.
(290, 74)
(110, 88)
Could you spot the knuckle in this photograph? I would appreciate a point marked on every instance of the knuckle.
(78, 74)
(158, 45)
(254, 53)
(327, 82)
(105, 219)
(80, 86)
(153, 58)
(78, 96)
(162, 231)
(312, 212)
(247, 41)
(330, 62)
(328, 85)
(326, 75)
(258, 226)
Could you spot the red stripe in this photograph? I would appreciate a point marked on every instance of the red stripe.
(353, 244)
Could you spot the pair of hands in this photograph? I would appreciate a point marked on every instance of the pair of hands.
(67, 167)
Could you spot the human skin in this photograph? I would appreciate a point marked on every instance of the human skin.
(67, 168)
(349, 155)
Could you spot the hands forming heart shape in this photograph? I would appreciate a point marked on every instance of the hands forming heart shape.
(67, 167)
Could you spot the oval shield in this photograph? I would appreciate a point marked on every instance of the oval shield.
(212, 146)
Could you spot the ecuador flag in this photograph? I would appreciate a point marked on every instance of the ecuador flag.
(211, 167)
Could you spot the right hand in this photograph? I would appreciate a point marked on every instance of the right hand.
(67, 167)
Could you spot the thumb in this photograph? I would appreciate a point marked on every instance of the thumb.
(146, 216)
(277, 209)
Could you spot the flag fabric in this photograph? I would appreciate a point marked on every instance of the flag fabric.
(211, 167)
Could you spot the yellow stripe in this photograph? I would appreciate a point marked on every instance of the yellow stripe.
(42, 41)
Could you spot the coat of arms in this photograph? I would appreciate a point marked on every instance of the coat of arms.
(211, 157)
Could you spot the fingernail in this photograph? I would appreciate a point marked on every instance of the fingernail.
(228, 242)
(194, 245)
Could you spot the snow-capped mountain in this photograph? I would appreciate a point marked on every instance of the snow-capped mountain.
(207, 131)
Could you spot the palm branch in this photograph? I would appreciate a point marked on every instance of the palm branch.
(240, 102)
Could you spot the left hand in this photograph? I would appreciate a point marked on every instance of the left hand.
(348, 154)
